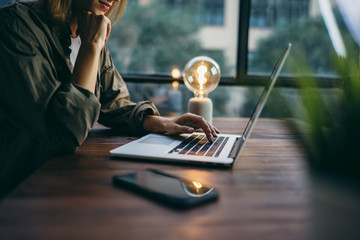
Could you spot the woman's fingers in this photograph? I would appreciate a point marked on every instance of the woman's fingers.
(209, 131)
(197, 122)
(186, 123)
(178, 129)
(108, 30)
(94, 28)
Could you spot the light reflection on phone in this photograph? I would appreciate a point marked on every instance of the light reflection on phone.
(162, 183)
(195, 189)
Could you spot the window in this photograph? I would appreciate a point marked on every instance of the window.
(274, 13)
(208, 12)
(154, 37)
(245, 37)
(273, 23)
(212, 12)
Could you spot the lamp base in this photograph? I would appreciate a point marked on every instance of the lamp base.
(201, 106)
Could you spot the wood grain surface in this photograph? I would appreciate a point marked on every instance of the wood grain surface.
(264, 196)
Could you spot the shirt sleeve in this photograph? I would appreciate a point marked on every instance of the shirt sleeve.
(117, 111)
(32, 97)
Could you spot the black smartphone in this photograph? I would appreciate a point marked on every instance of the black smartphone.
(165, 188)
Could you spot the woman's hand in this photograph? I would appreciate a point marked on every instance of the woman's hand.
(186, 123)
(93, 29)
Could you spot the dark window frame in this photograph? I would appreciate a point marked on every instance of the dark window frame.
(241, 78)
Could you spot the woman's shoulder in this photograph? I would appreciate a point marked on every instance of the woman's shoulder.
(24, 13)
(27, 21)
(16, 10)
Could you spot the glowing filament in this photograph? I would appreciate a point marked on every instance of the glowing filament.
(201, 71)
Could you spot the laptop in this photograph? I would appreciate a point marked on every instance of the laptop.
(194, 148)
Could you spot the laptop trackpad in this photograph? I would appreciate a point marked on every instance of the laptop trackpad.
(157, 140)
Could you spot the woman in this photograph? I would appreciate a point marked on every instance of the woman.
(57, 79)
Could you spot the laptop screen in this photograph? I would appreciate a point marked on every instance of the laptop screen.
(265, 94)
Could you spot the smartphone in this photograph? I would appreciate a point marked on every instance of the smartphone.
(167, 189)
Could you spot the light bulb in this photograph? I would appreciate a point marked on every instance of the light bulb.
(201, 76)
(175, 73)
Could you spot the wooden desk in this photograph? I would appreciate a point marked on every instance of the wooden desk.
(265, 195)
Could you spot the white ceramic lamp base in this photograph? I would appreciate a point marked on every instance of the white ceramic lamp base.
(201, 106)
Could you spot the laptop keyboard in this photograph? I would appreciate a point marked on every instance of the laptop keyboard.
(200, 146)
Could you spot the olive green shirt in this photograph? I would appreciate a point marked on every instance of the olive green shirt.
(41, 112)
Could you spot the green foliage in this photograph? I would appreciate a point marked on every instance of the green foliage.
(311, 45)
(155, 38)
(331, 133)
(310, 40)
(307, 36)
(332, 137)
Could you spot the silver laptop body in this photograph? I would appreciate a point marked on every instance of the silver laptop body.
(194, 148)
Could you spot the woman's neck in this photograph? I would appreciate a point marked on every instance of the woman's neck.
(73, 27)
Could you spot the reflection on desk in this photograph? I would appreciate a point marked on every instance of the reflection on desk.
(264, 196)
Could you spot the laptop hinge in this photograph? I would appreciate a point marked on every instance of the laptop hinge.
(236, 147)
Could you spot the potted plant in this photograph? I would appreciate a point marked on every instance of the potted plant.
(330, 136)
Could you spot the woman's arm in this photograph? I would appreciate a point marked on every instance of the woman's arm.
(94, 31)
(37, 96)
(117, 110)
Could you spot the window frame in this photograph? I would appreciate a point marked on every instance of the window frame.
(241, 78)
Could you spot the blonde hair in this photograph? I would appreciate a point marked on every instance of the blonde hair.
(60, 10)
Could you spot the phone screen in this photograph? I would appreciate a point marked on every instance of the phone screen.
(167, 188)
